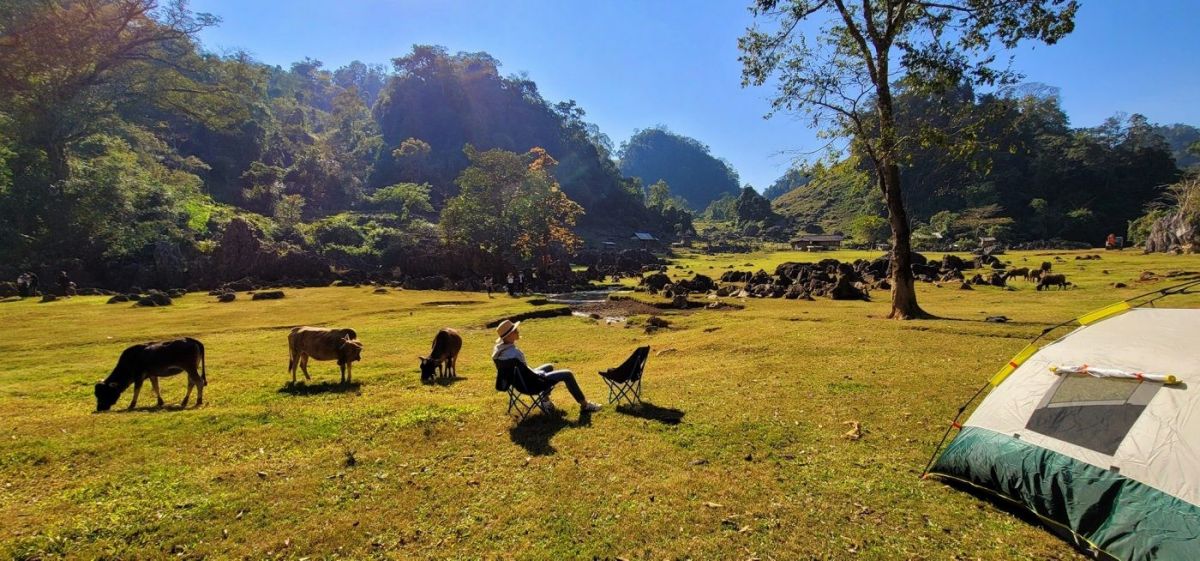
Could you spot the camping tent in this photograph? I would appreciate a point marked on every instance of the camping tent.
(1098, 434)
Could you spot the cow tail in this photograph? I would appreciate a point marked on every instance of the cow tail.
(291, 353)
(203, 366)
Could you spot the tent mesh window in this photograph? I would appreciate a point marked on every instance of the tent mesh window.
(1095, 413)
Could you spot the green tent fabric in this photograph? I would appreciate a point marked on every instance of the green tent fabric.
(1115, 515)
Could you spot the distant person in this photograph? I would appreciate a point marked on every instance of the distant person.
(23, 285)
(33, 283)
(487, 285)
(1110, 242)
(506, 349)
(521, 282)
(508, 284)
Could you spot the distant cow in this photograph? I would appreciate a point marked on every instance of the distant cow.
(152, 360)
(1052, 280)
(1022, 272)
(320, 343)
(444, 356)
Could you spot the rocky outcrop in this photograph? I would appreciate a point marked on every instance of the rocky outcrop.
(1177, 232)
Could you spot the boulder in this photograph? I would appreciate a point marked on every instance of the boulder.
(226, 297)
(154, 298)
(49, 297)
(655, 321)
(655, 281)
(680, 301)
(118, 299)
(698, 283)
(953, 263)
(736, 276)
(845, 289)
(268, 295)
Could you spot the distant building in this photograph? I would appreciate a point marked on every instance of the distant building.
(645, 240)
(818, 242)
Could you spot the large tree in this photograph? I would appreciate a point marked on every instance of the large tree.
(509, 206)
(69, 67)
(842, 74)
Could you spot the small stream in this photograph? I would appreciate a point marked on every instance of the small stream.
(587, 298)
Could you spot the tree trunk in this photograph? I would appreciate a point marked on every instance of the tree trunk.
(56, 160)
(904, 293)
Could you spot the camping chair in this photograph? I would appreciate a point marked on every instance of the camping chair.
(526, 390)
(625, 381)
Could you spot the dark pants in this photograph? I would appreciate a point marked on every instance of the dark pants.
(565, 376)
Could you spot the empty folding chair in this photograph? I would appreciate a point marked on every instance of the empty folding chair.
(625, 381)
(526, 390)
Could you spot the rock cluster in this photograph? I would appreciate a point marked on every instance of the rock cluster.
(828, 278)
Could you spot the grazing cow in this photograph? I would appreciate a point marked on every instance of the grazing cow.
(320, 343)
(1023, 272)
(152, 360)
(444, 356)
(1052, 280)
(1034, 275)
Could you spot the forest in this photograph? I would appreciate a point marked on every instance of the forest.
(127, 150)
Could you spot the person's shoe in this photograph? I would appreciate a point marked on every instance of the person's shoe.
(548, 406)
(589, 407)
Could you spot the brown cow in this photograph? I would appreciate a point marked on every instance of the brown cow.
(444, 356)
(1022, 272)
(320, 343)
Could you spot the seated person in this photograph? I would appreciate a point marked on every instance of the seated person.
(506, 348)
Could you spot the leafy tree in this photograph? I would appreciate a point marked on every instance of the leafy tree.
(69, 66)
(289, 211)
(403, 199)
(510, 206)
(870, 229)
(846, 73)
(723, 209)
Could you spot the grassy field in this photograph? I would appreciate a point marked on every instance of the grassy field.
(741, 454)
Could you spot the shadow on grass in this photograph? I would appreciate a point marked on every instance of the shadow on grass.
(301, 388)
(165, 408)
(652, 412)
(444, 381)
(535, 431)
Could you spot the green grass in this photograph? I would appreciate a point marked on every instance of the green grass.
(758, 466)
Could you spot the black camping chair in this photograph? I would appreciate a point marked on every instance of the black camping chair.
(526, 390)
(625, 381)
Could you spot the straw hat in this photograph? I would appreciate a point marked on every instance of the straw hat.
(505, 329)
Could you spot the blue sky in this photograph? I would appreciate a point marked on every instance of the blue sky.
(636, 64)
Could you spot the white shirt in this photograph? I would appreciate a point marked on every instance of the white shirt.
(506, 351)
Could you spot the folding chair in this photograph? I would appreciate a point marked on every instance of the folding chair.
(526, 390)
(625, 381)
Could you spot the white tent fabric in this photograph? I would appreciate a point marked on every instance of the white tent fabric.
(1162, 448)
